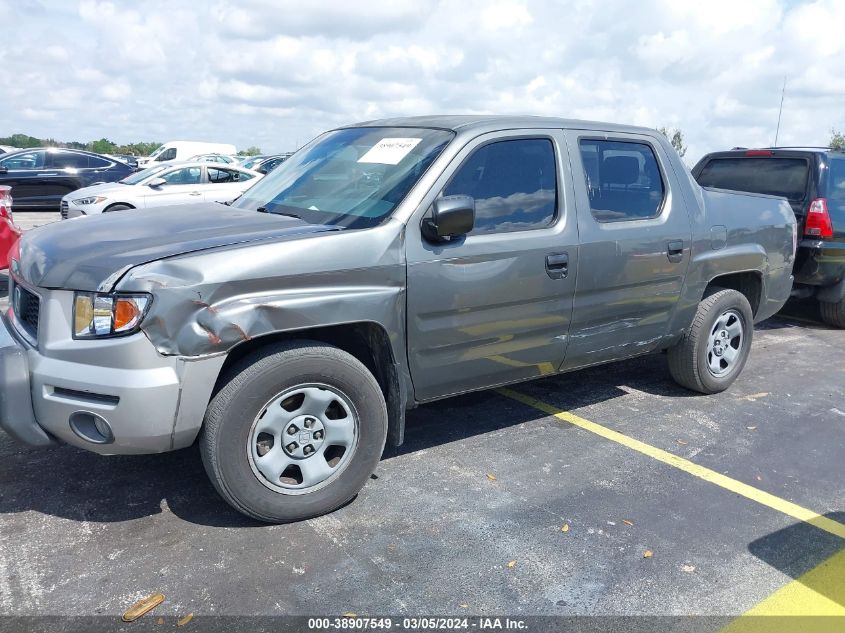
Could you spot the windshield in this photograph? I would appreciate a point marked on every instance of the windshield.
(138, 176)
(157, 152)
(353, 178)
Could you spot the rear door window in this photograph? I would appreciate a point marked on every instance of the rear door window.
(219, 176)
(776, 176)
(623, 180)
(99, 163)
(68, 160)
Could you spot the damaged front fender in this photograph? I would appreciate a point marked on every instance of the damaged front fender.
(208, 302)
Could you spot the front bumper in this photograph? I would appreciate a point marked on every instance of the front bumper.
(16, 414)
(70, 210)
(151, 403)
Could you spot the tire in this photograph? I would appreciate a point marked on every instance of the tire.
(700, 365)
(833, 313)
(262, 391)
(118, 207)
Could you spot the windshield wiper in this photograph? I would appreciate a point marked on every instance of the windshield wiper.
(287, 215)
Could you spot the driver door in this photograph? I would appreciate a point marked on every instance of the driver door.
(494, 306)
(183, 186)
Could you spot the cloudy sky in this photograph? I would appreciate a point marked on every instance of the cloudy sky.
(276, 73)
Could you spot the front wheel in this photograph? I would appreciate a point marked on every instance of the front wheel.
(295, 431)
(715, 348)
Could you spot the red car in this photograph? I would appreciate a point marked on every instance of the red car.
(9, 233)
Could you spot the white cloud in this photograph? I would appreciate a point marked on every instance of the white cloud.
(505, 15)
(274, 74)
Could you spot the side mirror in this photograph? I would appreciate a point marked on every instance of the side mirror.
(4, 169)
(155, 183)
(451, 216)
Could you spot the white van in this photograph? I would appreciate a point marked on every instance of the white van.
(183, 150)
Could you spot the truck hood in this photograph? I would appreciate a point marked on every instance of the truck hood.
(92, 253)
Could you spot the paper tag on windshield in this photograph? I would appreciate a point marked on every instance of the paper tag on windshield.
(389, 151)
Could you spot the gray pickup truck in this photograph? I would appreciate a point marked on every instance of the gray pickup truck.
(384, 265)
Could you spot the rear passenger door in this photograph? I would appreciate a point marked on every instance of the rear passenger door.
(635, 237)
(69, 171)
(494, 306)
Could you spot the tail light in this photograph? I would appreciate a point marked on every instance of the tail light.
(817, 223)
(6, 202)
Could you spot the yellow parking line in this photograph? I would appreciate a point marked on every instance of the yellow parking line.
(750, 492)
(812, 603)
(819, 592)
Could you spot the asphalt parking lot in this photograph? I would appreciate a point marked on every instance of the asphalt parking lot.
(608, 491)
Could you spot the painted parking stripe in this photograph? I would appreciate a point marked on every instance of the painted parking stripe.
(750, 492)
(818, 596)
(819, 592)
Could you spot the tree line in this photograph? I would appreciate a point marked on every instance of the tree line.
(101, 146)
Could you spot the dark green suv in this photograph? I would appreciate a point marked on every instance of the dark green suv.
(813, 181)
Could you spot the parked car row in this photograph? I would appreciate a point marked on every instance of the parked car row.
(41, 177)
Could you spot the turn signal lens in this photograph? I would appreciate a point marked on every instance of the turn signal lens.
(128, 312)
(99, 316)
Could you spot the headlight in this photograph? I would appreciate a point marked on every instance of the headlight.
(99, 316)
(89, 200)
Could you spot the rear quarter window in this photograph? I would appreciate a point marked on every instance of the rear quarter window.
(786, 177)
(836, 180)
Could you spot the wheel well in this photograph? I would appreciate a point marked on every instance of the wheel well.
(748, 283)
(367, 341)
(118, 204)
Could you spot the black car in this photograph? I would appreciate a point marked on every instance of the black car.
(40, 177)
(813, 181)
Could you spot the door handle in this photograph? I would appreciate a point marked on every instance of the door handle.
(195, 193)
(557, 265)
(675, 251)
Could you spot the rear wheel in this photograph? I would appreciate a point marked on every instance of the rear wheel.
(715, 348)
(294, 432)
(833, 313)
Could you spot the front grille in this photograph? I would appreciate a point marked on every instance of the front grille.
(64, 209)
(27, 307)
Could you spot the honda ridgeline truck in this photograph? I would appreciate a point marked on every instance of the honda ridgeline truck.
(384, 265)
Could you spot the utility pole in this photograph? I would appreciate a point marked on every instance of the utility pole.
(780, 112)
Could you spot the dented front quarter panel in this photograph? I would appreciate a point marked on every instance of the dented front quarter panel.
(209, 302)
